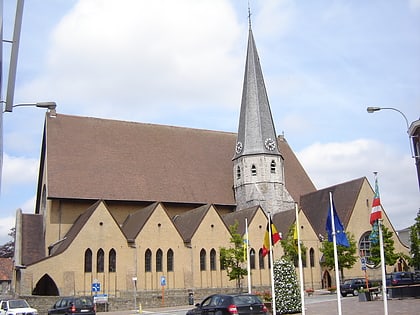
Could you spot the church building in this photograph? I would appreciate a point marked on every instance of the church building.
(122, 205)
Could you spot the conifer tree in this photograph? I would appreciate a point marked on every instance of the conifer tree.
(286, 287)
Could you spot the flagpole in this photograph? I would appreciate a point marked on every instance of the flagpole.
(337, 274)
(248, 263)
(273, 294)
(302, 294)
(381, 246)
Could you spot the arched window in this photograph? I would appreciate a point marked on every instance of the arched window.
(170, 260)
(312, 257)
(88, 260)
(222, 265)
(203, 259)
(100, 256)
(253, 170)
(252, 258)
(159, 256)
(273, 167)
(365, 248)
(148, 260)
(304, 259)
(213, 259)
(112, 261)
(261, 259)
(238, 172)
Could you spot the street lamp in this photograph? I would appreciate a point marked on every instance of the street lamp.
(372, 109)
(48, 105)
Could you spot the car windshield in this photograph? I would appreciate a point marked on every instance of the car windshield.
(18, 304)
(246, 300)
(347, 282)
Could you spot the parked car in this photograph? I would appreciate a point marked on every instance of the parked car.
(401, 278)
(352, 286)
(227, 304)
(73, 305)
(16, 307)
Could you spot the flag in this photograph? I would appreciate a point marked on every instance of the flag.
(295, 232)
(376, 213)
(341, 238)
(275, 237)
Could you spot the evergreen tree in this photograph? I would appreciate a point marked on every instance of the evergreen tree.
(346, 255)
(7, 250)
(233, 258)
(286, 287)
(415, 244)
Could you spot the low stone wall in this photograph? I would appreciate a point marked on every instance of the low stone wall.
(125, 300)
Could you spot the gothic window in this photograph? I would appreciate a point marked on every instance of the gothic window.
(261, 259)
(238, 172)
(159, 256)
(170, 260)
(253, 170)
(100, 256)
(112, 263)
(88, 260)
(212, 259)
(203, 259)
(148, 261)
(273, 167)
(222, 265)
(365, 247)
(304, 260)
(252, 258)
(312, 257)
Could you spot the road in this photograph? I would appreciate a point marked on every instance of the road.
(318, 304)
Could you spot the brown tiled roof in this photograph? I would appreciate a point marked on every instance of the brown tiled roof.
(240, 216)
(91, 158)
(6, 269)
(33, 248)
(315, 205)
(135, 221)
(188, 222)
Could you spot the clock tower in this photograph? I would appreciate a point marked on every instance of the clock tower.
(258, 166)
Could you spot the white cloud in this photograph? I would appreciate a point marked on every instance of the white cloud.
(18, 171)
(6, 223)
(333, 163)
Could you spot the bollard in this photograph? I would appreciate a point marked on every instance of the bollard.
(140, 309)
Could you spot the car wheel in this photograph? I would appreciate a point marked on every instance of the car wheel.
(355, 292)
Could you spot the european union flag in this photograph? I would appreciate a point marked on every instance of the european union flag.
(340, 235)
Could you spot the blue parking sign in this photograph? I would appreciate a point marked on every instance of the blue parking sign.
(162, 281)
(96, 287)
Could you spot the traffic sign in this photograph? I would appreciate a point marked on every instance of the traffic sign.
(96, 287)
(162, 281)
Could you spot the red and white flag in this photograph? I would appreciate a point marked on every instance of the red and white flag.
(376, 213)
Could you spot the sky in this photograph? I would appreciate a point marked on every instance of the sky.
(181, 63)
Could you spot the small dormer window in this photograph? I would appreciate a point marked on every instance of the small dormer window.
(273, 167)
(253, 170)
(238, 172)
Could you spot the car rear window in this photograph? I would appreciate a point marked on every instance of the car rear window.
(83, 302)
(246, 299)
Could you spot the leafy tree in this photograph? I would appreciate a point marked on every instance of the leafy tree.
(286, 287)
(414, 260)
(346, 255)
(8, 250)
(233, 258)
(389, 255)
(290, 246)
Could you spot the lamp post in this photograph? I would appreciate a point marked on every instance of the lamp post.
(372, 109)
(47, 105)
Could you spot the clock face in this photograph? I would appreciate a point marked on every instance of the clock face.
(239, 147)
(270, 144)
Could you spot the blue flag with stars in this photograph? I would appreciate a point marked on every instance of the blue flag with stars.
(340, 235)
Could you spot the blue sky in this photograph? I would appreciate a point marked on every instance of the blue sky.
(181, 63)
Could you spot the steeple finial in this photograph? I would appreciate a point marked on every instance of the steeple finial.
(249, 15)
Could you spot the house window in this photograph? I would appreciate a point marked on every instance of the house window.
(273, 167)
(100, 256)
(261, 259)
(159, 256)
(253, 170)
(88, 260)
(112, 261)
(252, 258)
(238, 172)
(170, 260)
(148, 261)
(312, 257)
(203, 259)
(213, 259)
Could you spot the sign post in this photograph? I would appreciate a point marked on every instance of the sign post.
(163, 283)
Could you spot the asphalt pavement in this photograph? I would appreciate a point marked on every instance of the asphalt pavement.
(317, 304)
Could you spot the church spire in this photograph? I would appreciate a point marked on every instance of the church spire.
(256, 132)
